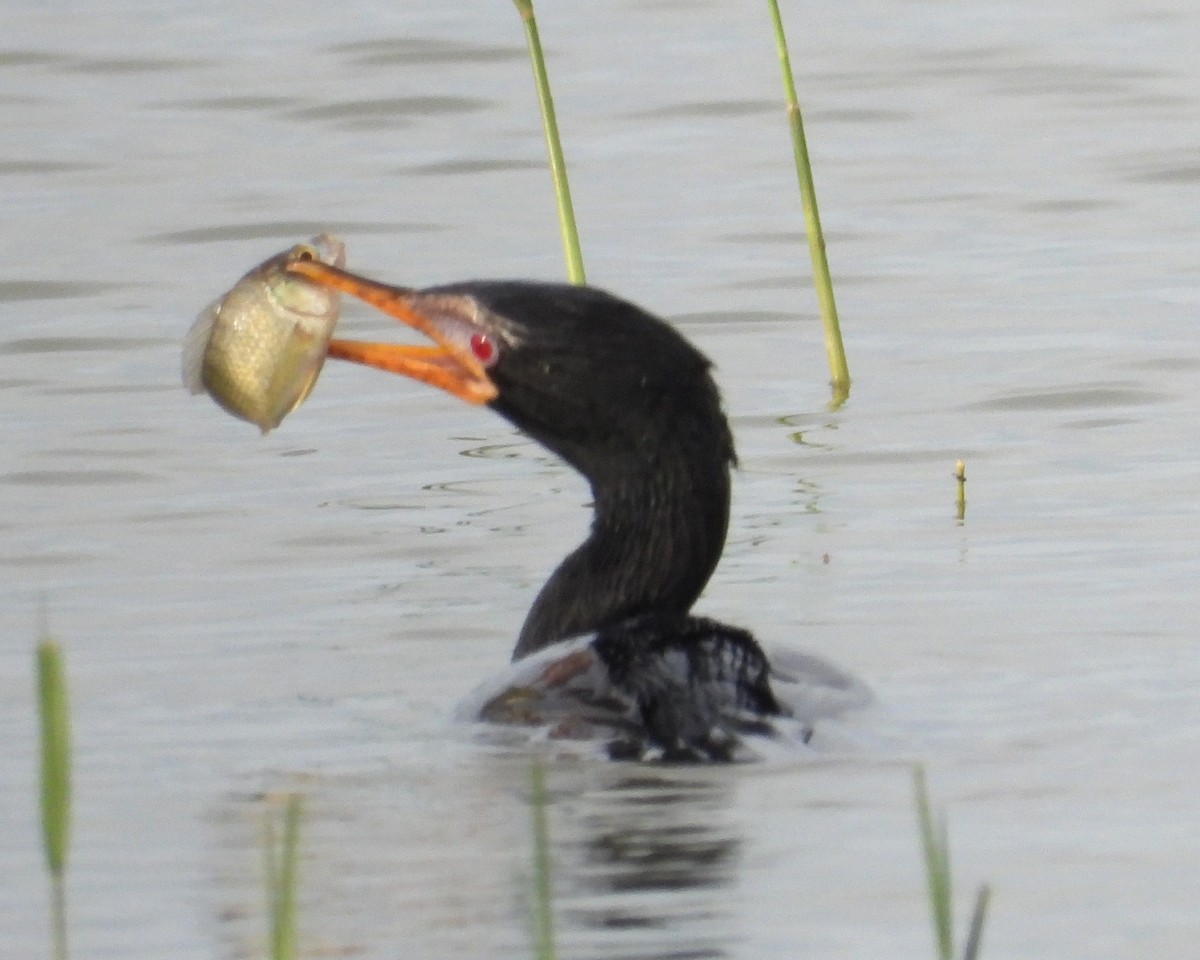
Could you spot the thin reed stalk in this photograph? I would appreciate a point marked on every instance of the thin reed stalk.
(280, 863)
(558, 165)
(978, 919)
(53, 708)
(935, 846)
(812, 220)
(543, 914)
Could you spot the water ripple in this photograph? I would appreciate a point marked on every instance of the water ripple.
(20, 290)
(111, 65)
(28, 345)
(412, 50)
(74, 478)
(114, 389)
(398, 110)
(40, 167)
(713, 109)
(231, 103)
(460, 167)
(284, 230)
(499, 451)
(23, 561)
(861, 115)
(29, 58)
(733, 316)
(1183, 173)
(1098, 395)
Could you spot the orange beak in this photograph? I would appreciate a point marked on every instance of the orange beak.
(446, 364)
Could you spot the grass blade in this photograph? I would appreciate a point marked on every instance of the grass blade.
(56, 755)
(935, 846)
(280, 865)
(56, 781)
(978, 918)
(558, 166)
(543, 915)
(812, 221)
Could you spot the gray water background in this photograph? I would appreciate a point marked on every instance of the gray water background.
(1011, 193)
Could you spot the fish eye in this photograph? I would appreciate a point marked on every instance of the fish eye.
(304, 252)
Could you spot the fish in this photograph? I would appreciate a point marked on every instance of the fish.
(258, 350)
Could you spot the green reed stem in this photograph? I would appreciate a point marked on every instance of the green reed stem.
(558, 166)
(935, 845)
(936, 848)
(56, 781)
(543, 914)
(281, 861)
(812, 221)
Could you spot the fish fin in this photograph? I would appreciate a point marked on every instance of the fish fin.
(308, 387)
(195, 343)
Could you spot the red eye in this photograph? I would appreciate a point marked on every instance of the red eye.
(483, 347)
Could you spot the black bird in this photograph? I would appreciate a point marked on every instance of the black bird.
(610, 645)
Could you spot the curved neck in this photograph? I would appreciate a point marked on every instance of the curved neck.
(656, 537)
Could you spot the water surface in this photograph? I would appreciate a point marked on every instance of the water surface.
(1010, 194)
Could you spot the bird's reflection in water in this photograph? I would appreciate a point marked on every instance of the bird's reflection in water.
(641, 867)
(642, 861)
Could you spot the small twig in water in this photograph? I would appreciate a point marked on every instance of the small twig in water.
(960, 475)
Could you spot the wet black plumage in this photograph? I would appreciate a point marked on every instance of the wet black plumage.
(623, 398)
(696, 683)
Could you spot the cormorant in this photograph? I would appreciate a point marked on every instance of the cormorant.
(610, 646)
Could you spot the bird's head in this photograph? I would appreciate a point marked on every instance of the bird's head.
(608, 387)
